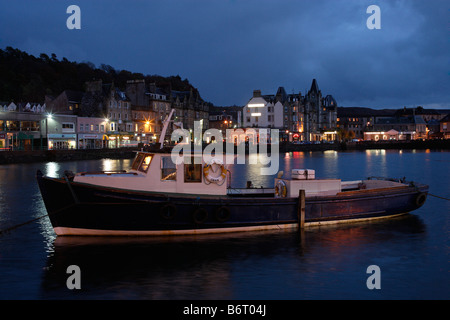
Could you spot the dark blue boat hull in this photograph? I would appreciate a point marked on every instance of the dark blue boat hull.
(81, 209)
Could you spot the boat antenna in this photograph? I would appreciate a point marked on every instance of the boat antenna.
(166, 124)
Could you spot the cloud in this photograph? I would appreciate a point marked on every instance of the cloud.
(229, 48)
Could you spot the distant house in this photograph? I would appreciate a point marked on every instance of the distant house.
(445, 126)
(434, 127)
(68, 102)
(397, 128)
(225, 117)
(426, 114)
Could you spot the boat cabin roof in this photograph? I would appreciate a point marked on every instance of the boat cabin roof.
(158, 172)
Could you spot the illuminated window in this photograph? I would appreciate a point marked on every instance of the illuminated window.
(145, 163)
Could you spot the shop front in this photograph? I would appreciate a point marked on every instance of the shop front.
(62, 141)
(3, 141)
(91, 141)
(119, 140)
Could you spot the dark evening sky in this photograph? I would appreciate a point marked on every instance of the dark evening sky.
(228, 48)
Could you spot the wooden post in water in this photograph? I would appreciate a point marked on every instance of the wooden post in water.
(301, 209)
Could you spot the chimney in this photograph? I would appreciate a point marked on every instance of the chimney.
(256, 93)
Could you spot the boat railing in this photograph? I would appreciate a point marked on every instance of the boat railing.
(400, 180)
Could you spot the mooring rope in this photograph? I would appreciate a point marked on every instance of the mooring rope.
(433, 195)
(22, 224)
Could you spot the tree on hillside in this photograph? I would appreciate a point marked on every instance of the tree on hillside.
(24, 77)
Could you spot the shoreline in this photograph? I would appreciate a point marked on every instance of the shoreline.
(370, 145)
(10, 157)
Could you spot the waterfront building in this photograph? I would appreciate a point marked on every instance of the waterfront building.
(353, 121)
(223, 118)
(60, 130)
(19, 129)
(108, 102)
(160, 106)
(68, 102)
(190, 107)
(303, 118)
(91, 133)
(143, 115)
(397, 128)
(445, 126)
(150, 106)
(372, 124)
(426, 114)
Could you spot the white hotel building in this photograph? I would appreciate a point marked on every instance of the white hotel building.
(262, 114)
(299, 118)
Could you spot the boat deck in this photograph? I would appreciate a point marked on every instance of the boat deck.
(363, 186)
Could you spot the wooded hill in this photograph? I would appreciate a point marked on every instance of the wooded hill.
(24, 77)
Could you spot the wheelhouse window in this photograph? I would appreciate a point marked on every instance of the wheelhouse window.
(193, 170)
(142, 162)
(137, 161)
(168, 169)
(145, 163)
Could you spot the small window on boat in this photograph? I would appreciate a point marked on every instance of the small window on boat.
(168, 169)
(145, 163)
(193, 171)
(137, 161)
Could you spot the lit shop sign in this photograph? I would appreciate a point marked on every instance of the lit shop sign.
(256, 105)
(258, 114)
(90, 136)
(61, 136)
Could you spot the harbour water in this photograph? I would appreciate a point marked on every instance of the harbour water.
(330, 262)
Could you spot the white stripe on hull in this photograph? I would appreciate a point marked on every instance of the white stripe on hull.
(64, 231)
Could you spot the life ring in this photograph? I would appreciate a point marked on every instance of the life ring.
(280, 189)
(200, 215)
(168, 211)
(420, 200)
(207, 172)
(222, 214)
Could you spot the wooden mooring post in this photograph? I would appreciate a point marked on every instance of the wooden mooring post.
(301, 209)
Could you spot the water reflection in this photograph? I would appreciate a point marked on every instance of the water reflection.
(331, 164)
(320, 263)
(213, 266)
(250, 171)
(52, 169)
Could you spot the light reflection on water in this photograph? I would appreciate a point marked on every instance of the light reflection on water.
(52, 169)
(320, 263)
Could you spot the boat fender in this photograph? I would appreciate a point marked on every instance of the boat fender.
(280, 189)
(222, 214)
(420, 200)
(168, 211)
(200, 215)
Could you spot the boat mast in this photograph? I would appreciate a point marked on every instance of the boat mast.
(163, 132)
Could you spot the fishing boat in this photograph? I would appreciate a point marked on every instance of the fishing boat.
(160, 195)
